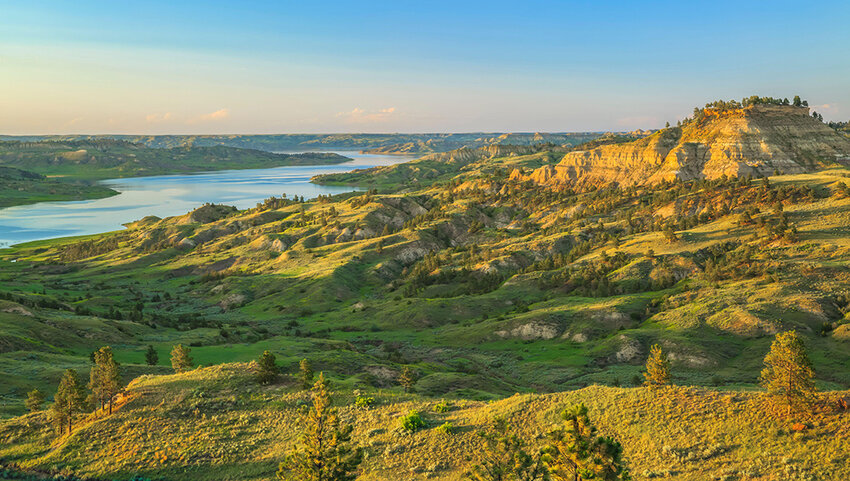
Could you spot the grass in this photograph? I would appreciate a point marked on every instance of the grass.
(217, 423)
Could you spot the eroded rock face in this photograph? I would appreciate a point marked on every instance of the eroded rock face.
(756, 140)
(534, 330)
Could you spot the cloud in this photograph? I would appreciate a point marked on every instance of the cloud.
(826, 108)
(156, 118)
(361, 116)
(217, 116)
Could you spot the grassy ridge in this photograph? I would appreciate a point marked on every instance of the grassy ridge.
(216, 423)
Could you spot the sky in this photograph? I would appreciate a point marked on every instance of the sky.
(249, 67)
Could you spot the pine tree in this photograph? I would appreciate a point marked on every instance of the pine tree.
(577, 453)
(69, 400)
(151, 356)
(267, 370)
(657, 368)
(105, 378)
(788, 375)
(35, 399)
(504, 457)
(407, 378)
(181, 360)
(305, 373)
(325, 453)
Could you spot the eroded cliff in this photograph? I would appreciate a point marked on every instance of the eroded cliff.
(756, 140)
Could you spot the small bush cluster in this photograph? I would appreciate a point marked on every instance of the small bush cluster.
(412, 422)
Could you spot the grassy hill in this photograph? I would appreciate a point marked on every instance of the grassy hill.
(23, 187)
(217, 423)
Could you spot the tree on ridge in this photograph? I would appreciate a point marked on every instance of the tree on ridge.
(788, 376)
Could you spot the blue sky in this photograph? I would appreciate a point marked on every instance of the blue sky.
(274, 67)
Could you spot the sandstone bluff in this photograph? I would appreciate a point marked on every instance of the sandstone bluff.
(758, 140)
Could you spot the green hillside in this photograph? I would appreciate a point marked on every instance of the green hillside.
(23, 187)
(217, 423)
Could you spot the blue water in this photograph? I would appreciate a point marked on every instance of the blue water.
(168, 195)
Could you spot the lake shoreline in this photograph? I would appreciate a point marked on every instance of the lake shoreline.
(170, 195)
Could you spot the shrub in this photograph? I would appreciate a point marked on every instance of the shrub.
(412, 422)
(364, 402)
(442, 407)
(446, 428)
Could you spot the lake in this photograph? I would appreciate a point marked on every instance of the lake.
(168, 195)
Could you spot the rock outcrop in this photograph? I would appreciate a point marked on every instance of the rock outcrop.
(756, 140)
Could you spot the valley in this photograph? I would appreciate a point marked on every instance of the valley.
(511, 280)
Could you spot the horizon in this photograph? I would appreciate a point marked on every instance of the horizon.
(264, 68)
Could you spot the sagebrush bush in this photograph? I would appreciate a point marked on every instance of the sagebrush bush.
(442, 407)
(412, 422)
(446, 428)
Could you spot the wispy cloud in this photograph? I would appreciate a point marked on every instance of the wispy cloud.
(362, 116)
(157, 118)
(826, 108)
(219, 114)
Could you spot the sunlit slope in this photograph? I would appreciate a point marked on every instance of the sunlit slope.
(217, 423)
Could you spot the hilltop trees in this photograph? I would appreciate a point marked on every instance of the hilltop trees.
(325, 453)
(504, 457)
(305, 373)
(267, 371)
(105, 377)
(151, 356)
(788, 375)
(657, 368)
(181, 360)
(70, 399)
(35, 399)
(577, 453)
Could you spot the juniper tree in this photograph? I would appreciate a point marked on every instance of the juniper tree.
(104, 378)
(181, 360)
(35, 399)
(325, 453)
(407, 378)
(577, 453)
(504, 457)
(305, 373)
(151, 356)
(657, 368)
(267, 370)
(69, 400)
(788, 375)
